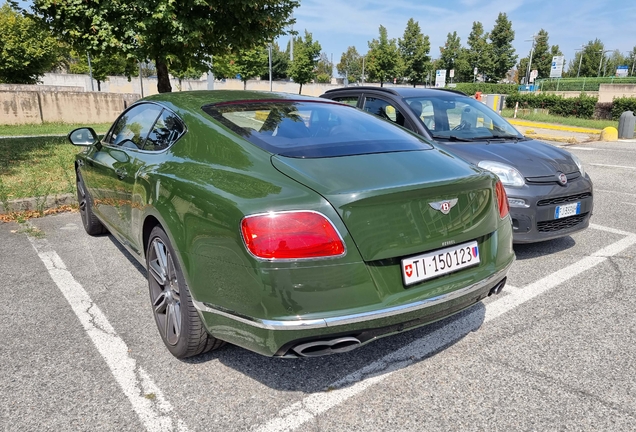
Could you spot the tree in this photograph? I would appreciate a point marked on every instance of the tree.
(251, 63)
(541, 56)
(306, 54)
(350, 65)
(26, 50)
(383, 58)
(415, 49)
(280, 64)
(102, 67)
(450, 52)
(170, 33)
(503, 53)
(589, 59)
(479, 52)
(324, 69)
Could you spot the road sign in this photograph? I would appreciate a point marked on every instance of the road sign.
(533, 75)
(622, 71)
(556, 71)
(440, 78)
(475, 71)
(452, 73)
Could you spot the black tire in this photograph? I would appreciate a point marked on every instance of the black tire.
(92, 225)
(177, 319)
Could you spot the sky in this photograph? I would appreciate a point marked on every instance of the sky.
(338, 24)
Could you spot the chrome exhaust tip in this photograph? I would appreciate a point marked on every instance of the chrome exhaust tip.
(497, 288)
(321, 348)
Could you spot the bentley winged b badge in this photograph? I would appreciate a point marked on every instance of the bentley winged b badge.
(444, 206)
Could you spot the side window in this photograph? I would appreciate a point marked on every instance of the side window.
(425, 111)
(349, 100)
(168, 128)
(383, 109)
(131, 129)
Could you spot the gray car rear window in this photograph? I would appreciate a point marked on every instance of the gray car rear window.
(306, 129)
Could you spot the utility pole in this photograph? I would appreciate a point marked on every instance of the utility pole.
(141, 82)
(90, 72)
(601, 63)
(269, 49)
(580, 59)
(363, 70)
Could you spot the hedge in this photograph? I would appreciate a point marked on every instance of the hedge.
(582, 106)
(621, 105)
(471, 88)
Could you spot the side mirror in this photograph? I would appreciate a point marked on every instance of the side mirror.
(83, 137)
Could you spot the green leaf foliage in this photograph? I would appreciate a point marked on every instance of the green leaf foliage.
(487, 88)
(27, 50)
(383, 59)
(306, 55)
(350, 65)
(503, 53)
(414, 49)
(620, 105)
(582, 106)
(176, 35)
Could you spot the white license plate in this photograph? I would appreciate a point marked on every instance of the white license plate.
(567, 210)
(433, 264)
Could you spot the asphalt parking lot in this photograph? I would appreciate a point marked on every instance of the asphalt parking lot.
(555, 351)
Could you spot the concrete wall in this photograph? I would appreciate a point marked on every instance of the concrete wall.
(118, 84)
(38, 87)
(33, 107)
(609, 92)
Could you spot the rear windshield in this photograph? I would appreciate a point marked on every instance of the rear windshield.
(304, 129)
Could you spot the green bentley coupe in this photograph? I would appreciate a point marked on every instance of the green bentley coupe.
(288, 225)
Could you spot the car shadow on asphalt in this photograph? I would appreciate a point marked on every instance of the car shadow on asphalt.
(548, 247)
(318, 374)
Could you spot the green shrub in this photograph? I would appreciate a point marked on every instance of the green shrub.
(621, 105)
(582, 106)
(471, 88)
(323, 78)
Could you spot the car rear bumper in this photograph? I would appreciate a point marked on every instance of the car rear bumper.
(536, 222)
(279, 338)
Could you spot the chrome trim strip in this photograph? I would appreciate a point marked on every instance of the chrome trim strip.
(301, 324)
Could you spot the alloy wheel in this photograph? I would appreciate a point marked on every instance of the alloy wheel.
(164, 291)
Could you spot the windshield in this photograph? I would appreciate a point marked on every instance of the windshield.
(313, 129)
(451, 116)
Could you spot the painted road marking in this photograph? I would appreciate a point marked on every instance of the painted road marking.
(355, 383)
(615, 192)
(581, 148)
(612, 166)
(156, 413)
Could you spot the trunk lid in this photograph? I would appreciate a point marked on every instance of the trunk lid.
(384, 198)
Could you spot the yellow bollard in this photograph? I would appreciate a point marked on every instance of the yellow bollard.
(609, 134)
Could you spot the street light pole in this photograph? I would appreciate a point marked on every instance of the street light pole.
(580, 59)
(269, 49)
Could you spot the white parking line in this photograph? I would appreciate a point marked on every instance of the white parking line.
(146, 398)
(613, 166)
(338, 392)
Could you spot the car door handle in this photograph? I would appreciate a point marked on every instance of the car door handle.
(120, 173)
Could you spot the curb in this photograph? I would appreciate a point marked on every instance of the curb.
(32, 204)
(568, 140)
(539, 125)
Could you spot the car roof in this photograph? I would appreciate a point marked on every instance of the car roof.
(404, 92)
(194, 100)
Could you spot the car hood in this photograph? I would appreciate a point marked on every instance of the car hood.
(531, 158)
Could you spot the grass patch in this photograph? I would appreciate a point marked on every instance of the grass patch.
(48, 129)
(567, 121)
(36, 167)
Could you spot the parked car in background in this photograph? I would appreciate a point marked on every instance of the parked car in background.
(549, 193)
(288, 225)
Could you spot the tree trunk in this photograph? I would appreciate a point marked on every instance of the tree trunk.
(301, 88)
(245, 85)
(163, 80)
(381, 83)
(99, 85)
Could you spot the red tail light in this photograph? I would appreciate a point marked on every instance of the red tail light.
(291, 235)
(502, 199)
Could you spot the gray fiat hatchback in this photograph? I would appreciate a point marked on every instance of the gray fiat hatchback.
(549, 193)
